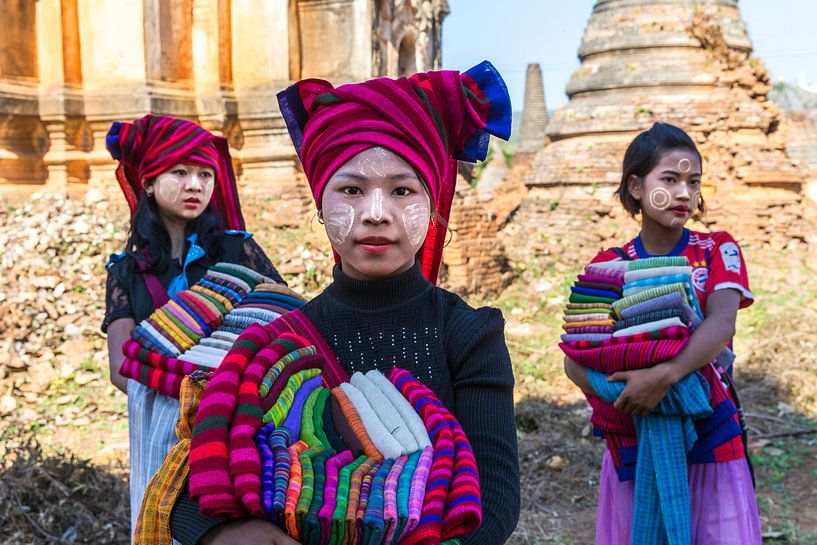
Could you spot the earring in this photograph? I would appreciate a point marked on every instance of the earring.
(433, 220)
(320, 217)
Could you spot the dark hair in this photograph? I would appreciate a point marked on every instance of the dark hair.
(148, 237)
(645, 152)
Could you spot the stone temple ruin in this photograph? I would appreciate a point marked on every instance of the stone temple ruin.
(68, 68)
(684, 62)
(66, 73)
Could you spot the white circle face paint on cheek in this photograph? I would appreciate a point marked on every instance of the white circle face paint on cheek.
(660, 198)
(338, 223)
(684, 165)
(169, 187)
(207, 189)
(415, 221)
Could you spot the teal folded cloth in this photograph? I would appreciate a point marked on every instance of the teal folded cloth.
(403, 492)
(661, 511)
(311, 530)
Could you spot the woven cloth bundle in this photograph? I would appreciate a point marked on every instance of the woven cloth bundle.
(374, 460)
(629, 315)
(196, 328)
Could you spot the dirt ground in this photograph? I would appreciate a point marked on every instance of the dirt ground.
(64, 445)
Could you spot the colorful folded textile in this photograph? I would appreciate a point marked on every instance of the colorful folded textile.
(601, 286)
(402, 406)
(591, 329)
(311, 529)
(585, 317)
(646, 295)
(453, 466)
(661, 513)
(632, 288)
(577, 306)
(571, 337)
(582, 298)
(601, 279)
(607, 311)
(588, 323)
(640, 274)
(653, 323)
(652, 316)
(338, 528)
(198, 326)
(656, 262)
(627, 356)
(670, 300)
(649, 327)
(391, 516)
(605, 270)
(391, 419)
(294, 487)
(270, 440)
(578, 290)
(374, 521)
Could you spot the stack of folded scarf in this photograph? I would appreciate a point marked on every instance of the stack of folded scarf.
(589, 312)
(653, 318)
(650, 317)
(376, 460)
(197, 327)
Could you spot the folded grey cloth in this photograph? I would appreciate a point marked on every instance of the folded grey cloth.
(391, 418)
(401, 405)
(380, 436)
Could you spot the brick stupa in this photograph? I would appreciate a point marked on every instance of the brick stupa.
(686, 62)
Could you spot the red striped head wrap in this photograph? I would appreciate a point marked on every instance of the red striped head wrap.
(431, 120)
(152, 144)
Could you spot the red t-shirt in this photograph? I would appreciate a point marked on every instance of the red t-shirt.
(716, 260)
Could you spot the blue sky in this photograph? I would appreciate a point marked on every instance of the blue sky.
(513, 33)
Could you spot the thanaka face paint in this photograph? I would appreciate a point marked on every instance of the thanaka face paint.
(660, 198)
(169, 187)
(684, 165)
(183, 191)
(373, 163)
(415, 221)
(376, 211)
(376, 214)
(338, 223)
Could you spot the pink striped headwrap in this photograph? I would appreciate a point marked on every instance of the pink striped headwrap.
(430, 119)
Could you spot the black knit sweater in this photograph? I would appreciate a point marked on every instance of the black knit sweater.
(455, 350)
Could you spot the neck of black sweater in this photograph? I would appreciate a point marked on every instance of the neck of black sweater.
(371, 295)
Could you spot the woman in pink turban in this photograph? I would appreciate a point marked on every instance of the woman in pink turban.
(381, 160)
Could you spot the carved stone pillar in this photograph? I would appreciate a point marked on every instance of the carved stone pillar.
(23, 140)
(61, 101)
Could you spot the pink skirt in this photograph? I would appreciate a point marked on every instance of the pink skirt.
(722, 500)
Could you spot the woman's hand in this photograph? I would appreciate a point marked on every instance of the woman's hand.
(247, 532)
(118, 331)
(645, 388)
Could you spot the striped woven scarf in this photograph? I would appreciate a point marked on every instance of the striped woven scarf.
(453, 493)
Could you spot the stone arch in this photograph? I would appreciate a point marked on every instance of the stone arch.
(407, 56)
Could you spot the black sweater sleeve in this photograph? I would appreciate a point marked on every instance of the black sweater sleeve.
(187, 524)
(483, 391)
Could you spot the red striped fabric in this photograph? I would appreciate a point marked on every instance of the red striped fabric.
(452, 505)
